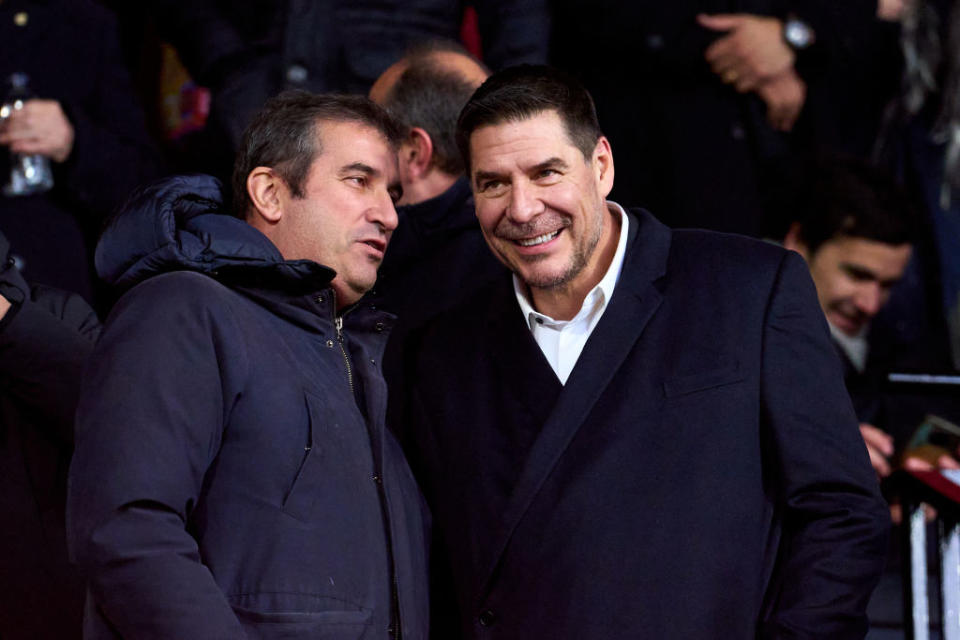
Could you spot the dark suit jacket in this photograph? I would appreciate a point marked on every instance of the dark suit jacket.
(699, 476)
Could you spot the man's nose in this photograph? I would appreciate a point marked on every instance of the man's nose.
(869, 299)
(384, 213)
(524, 203)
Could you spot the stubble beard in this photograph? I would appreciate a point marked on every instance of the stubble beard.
(579, 259)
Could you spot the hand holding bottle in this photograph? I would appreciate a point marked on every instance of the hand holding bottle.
(39, 127)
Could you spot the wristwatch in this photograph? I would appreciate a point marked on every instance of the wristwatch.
(797, 34)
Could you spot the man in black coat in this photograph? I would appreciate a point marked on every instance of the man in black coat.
(701, 98)
(86, 119)
(644, 432)
(45, 338)
(437, 256)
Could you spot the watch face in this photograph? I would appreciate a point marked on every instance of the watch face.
(797, 34)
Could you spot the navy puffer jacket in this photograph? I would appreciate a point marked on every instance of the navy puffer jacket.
(232, 475)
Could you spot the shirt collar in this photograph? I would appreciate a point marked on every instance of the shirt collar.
(599, 296)
(855, 347)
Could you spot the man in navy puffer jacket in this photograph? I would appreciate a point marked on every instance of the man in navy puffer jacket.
(232, 475)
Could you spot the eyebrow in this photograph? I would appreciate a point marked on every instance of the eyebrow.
(867, 274)
(480, 176)
(855, 269)
(359, 166)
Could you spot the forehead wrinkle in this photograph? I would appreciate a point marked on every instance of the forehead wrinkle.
(550, 163)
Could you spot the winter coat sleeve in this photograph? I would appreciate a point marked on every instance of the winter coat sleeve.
(45, 337)
(153, 406)
(835, 524)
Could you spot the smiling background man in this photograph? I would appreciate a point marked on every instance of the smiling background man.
(233, 476)
(637, 452)
(855, 231)
(855, 228)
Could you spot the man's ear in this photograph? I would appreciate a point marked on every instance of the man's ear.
(603, 165)
(793, 242)
(416, 153)
(266, 190)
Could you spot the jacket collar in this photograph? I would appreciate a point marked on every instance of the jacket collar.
(178, 224)
(445, 211)
(424, 225)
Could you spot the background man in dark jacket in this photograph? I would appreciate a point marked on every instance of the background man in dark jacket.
(85, 118)
(232, 473)
(437, 256)
(45, 338)
(855, 230)
(653, 439)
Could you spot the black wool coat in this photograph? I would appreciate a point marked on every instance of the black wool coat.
(699, 476)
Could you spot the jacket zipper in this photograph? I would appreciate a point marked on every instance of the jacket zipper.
(395, 628)
(338, 323)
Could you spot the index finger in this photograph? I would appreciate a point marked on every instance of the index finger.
(877, 437)
(719, 21)
(947, 462)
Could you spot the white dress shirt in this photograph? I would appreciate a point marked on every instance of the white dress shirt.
(562, 341)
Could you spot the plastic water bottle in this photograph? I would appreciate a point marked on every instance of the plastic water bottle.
(29, 173)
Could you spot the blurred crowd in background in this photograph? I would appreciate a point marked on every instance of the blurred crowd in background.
(713, 115)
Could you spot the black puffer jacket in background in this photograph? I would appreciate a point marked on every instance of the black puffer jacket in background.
(45, 338)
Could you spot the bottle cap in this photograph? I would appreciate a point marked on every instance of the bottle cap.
(19, 80)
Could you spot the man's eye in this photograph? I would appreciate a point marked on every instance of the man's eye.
(547, 173)
(859, 276)
(490, 185)
(360, 181)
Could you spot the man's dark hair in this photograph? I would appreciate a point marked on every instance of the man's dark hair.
(523, 91)
(430, 95)
(282, 135)
(846, 197)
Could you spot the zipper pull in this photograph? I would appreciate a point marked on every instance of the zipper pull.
(338, 323)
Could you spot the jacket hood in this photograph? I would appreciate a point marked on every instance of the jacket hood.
(178, 224)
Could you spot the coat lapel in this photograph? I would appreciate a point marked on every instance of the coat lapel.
(522, 369)
(634, 302)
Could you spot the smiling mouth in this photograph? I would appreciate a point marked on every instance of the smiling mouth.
(532, 242)
(850, 323)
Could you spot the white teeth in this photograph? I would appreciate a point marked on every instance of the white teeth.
(538, 240)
